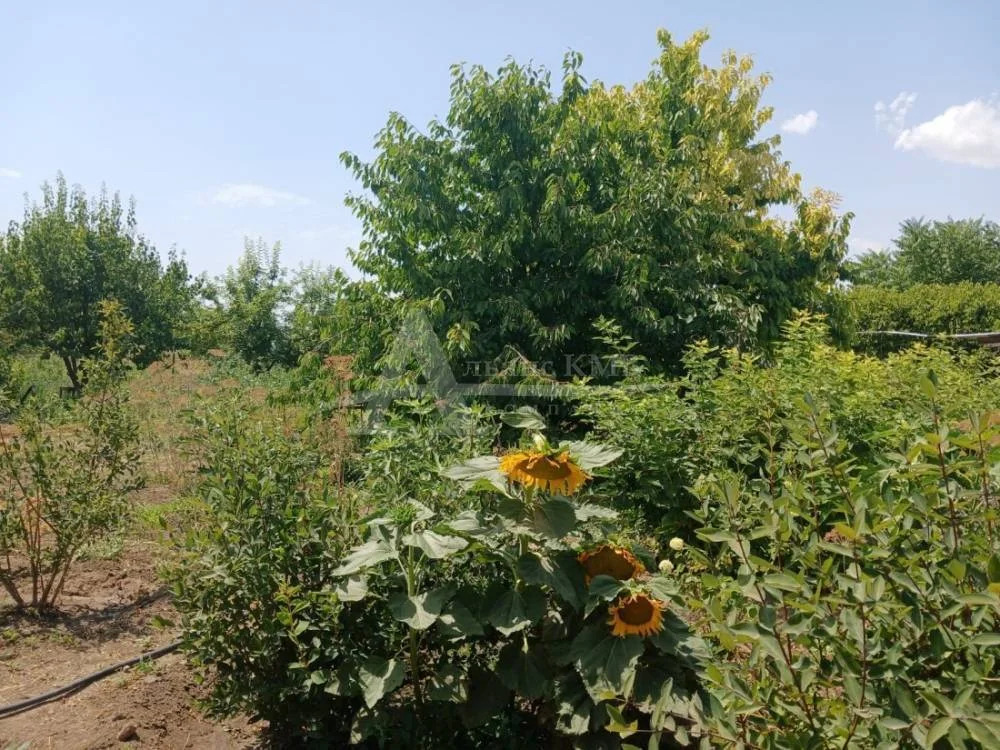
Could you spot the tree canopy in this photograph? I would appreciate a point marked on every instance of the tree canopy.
(934, 252)
(70, 254)
(534, 213)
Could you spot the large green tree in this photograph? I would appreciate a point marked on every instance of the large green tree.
(934, 252)
(533, 212)
(67, 256)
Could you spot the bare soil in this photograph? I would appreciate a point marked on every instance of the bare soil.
(112, 610)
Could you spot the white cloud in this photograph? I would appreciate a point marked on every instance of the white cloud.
(8, 172)
(801, 123)
(891, 118)
(247, 194)
(964, 134)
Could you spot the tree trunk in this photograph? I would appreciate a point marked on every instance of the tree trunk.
(72, 370)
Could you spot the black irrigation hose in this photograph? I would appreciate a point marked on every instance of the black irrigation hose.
(15, 708)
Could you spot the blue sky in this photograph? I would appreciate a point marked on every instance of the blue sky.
(226, 119)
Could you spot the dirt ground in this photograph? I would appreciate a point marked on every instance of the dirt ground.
(113, 609)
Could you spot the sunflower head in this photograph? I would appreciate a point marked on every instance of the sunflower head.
(636, 614)
(606, 560)
(549, 471)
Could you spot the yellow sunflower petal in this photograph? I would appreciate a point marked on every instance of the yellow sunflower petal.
(542, 471)
(637, 614)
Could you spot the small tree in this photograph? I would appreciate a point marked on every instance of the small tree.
(253, 295)
(66, 256)
(60, 490)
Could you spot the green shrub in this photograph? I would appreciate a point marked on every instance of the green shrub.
(258, 604)
(63, 488)
(923, 308)
(852, 604)
(673, 431)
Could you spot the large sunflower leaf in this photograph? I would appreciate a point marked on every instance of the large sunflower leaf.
(573, 704)
(436, 546)
(422, 610)
(591, 455)
(477, 473)
(524, 418)
(515, 610)
(379, 677)
(448, 684)
(522, 670)
(606, 661)
(372, 552)
(354, 589)
(602, 589)
(487, 697)
(561, 572)
(554, 518)
(457, 622)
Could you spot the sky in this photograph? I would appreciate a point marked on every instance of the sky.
(226, 119)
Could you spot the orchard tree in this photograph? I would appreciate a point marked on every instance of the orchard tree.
(66, 257)
(534, 213)
(253, 297)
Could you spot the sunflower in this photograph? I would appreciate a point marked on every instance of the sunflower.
(638, 614)
(610, 561)
(555, 473)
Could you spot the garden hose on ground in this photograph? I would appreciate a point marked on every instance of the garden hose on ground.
(29, 703)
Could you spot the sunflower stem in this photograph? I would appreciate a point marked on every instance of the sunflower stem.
(411, 591)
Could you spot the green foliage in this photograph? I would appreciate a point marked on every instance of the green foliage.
(62, 489)
(258, 605)
(934, 252)
(68, 255)
(493, 613)
(531, 213)
(853, 604)
(252, 296)
(922, 308)
(673, 431)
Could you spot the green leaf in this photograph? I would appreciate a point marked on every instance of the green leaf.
(591, 455)
(986, 639)
(588, 511)
(354, 589)
(457, 622)
(560, 572)
(524, 418)
(448, 684)
(380, 677)
(420, 611)
(487, 697)
(516, 610)
(372, 552)
(993, 568)
(476, 470)
(602, 589)
(522, 671)
(554, 518)
(976, 600)
(617, 723)
(436, 546)
(938, 730)
(605, 660)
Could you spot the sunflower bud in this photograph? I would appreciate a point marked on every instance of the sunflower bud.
(666, 566)
(676, 544)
